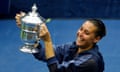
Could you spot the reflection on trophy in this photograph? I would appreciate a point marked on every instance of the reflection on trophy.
(30, 30)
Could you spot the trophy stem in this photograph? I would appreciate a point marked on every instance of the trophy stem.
(28, 49)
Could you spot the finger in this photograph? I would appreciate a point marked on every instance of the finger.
(43, 31)
(17, 16)
(22, 13)
(44, 27)
(18, 19)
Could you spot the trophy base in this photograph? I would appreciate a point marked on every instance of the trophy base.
(28, 49)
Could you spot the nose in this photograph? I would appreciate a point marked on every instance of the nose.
(80, 33)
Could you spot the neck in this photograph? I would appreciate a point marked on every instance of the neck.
(81, 49)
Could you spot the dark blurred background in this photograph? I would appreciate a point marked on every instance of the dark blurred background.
(63, 8)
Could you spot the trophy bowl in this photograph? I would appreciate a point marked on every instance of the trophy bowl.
(29, 37)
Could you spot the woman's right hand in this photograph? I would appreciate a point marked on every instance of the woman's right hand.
(18, 18)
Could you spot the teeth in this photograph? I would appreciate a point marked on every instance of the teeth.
(80, 39)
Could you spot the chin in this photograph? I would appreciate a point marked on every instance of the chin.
(79, 44)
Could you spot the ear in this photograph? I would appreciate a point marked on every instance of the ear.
(97, 39)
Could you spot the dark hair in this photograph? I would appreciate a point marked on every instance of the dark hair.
(101, 29)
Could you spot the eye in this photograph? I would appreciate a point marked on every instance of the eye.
(87, 32)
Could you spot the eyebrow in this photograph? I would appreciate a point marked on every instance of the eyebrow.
(86, 30)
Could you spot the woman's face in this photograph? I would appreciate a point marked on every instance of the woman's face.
(86, 35)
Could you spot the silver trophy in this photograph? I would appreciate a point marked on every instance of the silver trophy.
(30, 28)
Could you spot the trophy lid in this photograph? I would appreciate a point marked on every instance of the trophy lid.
(32, 17)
